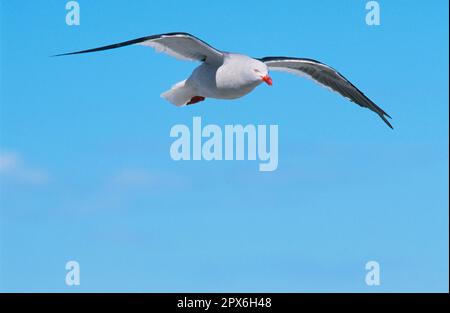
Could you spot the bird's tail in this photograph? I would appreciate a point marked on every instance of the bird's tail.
(180, 94)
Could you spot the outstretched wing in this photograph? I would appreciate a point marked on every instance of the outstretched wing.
(327, 77)
(180, 45)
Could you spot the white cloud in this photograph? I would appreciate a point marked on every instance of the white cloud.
(8, 162)
(13, 168)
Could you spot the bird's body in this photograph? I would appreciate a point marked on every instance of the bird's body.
(228, 80)
(224, 75)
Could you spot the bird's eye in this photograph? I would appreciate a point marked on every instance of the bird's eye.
(257, 71)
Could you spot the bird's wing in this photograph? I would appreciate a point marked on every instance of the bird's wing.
(325, 76)
(180, 45)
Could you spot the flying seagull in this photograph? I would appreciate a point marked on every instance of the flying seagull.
(225, 75)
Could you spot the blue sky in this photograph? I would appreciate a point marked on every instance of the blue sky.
(85, 171)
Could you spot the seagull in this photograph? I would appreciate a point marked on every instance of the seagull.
(224, 75)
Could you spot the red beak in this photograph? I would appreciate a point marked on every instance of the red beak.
(267, 80)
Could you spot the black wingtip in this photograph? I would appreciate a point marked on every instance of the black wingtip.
(383, 117)
(71, 53)
(64, 54)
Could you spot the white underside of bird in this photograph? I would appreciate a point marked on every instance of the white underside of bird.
(224, 75)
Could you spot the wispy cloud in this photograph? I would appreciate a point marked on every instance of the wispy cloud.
(135, 177)
(12, 167)
(146, 178)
